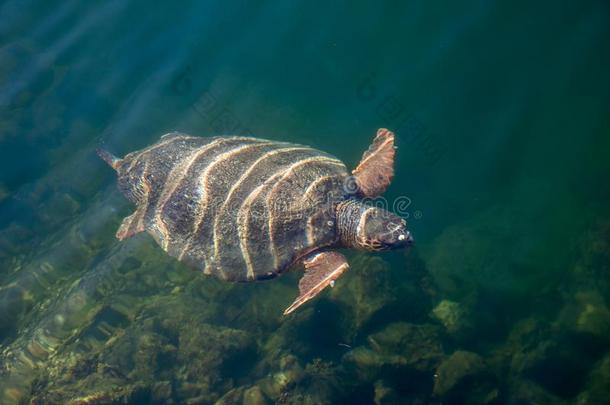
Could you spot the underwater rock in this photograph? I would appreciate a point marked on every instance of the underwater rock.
(198, 369)
(366, 291)
(453, 317)
(14, 304)
(496, 278)
(61, 261)
(419, 345)
(208, 356)
(588, 316)
(278, 346)
(480, 255)
(465, 378)
(321, 383)
(547, 356)
(528, 392)
(254, 396)
(465, 256)
(162, 392)
(301, 333)
(399, 345)
(61, 322)
(319, 368)
(244, 396)
(538, 361)
(375, 293)
(597, 390)
(592, 272)
(287, 382)
(157, 347)
(124, 394)
(385, 394)
(286, 374)
(234, 396)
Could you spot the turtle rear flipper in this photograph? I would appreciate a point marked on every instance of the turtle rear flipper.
(375, 171)
(321, 270)
(109, 158)
(131, 225)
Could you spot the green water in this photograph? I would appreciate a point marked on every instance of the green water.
(502, 116)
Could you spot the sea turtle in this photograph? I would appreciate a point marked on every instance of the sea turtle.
(245, 209)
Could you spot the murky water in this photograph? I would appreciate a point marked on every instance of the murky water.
(502, 113)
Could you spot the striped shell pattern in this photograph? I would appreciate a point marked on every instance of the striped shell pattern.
(235, 207)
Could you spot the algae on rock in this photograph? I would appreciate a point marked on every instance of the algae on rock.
(398, 346)
(465, 378)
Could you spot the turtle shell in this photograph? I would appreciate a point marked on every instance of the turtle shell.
(238, 208)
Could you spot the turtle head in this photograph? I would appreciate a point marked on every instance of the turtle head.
(379, 229)
(371, 228)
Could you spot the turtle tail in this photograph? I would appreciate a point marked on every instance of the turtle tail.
(109, 158)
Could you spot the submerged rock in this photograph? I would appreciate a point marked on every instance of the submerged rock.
(588, 316)
(597, 390)
(454, 318)
(254, 396)
(165, 352)
(592, 272)
(398, 346)
(464, 377)
(481, 259)
(322, 383)
(366, 291)
(377, 292)
(385, 394)
(528, 392)
(245, 396)
(547, 356)
(283, 379)
(140, 329)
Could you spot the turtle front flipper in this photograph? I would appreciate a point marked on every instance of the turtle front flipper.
(131, 225)
(376, 168)
(321, 270)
